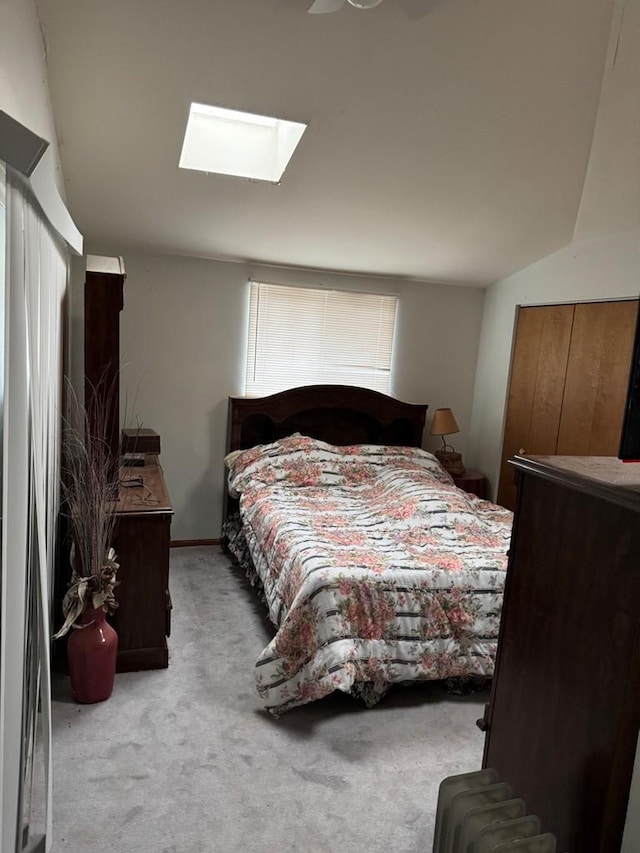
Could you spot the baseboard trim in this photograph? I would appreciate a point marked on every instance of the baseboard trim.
(191, 543)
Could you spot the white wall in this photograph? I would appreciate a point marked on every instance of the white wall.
(183, 332)
(631, 837)
(599, 269)
(24, 87)
(610, 201)
(603, 261)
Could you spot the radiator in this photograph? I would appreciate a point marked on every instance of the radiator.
(479, 814)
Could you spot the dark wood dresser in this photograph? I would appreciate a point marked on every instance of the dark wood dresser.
(565, 705)
(141, 542)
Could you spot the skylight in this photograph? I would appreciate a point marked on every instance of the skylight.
(233, 143)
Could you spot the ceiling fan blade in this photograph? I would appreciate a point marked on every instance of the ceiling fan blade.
(322, 6)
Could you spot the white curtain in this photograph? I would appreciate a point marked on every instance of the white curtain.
(36, 283)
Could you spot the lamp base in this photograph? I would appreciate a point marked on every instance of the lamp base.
(451, 462)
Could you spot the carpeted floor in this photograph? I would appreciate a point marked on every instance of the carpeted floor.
(184, 760)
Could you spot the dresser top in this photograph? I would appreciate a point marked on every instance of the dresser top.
(604, 475)
(149, 496)
(606, 469)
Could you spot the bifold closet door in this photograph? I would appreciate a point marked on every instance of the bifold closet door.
(595, 388)
(538, 369)
(568, 386)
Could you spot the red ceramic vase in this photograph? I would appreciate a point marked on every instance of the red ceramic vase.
(91, 652)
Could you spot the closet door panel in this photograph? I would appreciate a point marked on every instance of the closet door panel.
(536, 388)
(597, 378)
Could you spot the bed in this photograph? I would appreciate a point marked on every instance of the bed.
(374, 567)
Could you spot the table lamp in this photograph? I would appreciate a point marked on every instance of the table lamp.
(444, 423)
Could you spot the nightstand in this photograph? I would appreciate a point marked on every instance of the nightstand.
(473, 482)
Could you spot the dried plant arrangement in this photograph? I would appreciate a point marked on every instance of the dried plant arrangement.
(89, 491)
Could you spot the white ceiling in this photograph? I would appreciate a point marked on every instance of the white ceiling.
(450, 146)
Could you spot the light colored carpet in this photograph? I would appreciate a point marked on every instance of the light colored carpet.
(184, 760)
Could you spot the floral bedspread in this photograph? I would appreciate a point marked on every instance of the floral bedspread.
(375, 567)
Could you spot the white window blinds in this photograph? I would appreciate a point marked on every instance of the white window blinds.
(305, 336)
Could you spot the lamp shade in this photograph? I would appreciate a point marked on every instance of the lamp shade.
(444, 422)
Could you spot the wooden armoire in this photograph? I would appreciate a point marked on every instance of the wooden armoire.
(143, 512)
(564, 715)
(568, 385)
(103, 302)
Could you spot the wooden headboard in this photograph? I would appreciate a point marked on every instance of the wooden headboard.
(338, 414)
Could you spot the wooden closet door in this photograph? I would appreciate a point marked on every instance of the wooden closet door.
(536, 388)
(595, 389)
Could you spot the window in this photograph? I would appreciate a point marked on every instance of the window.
(305, 336)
